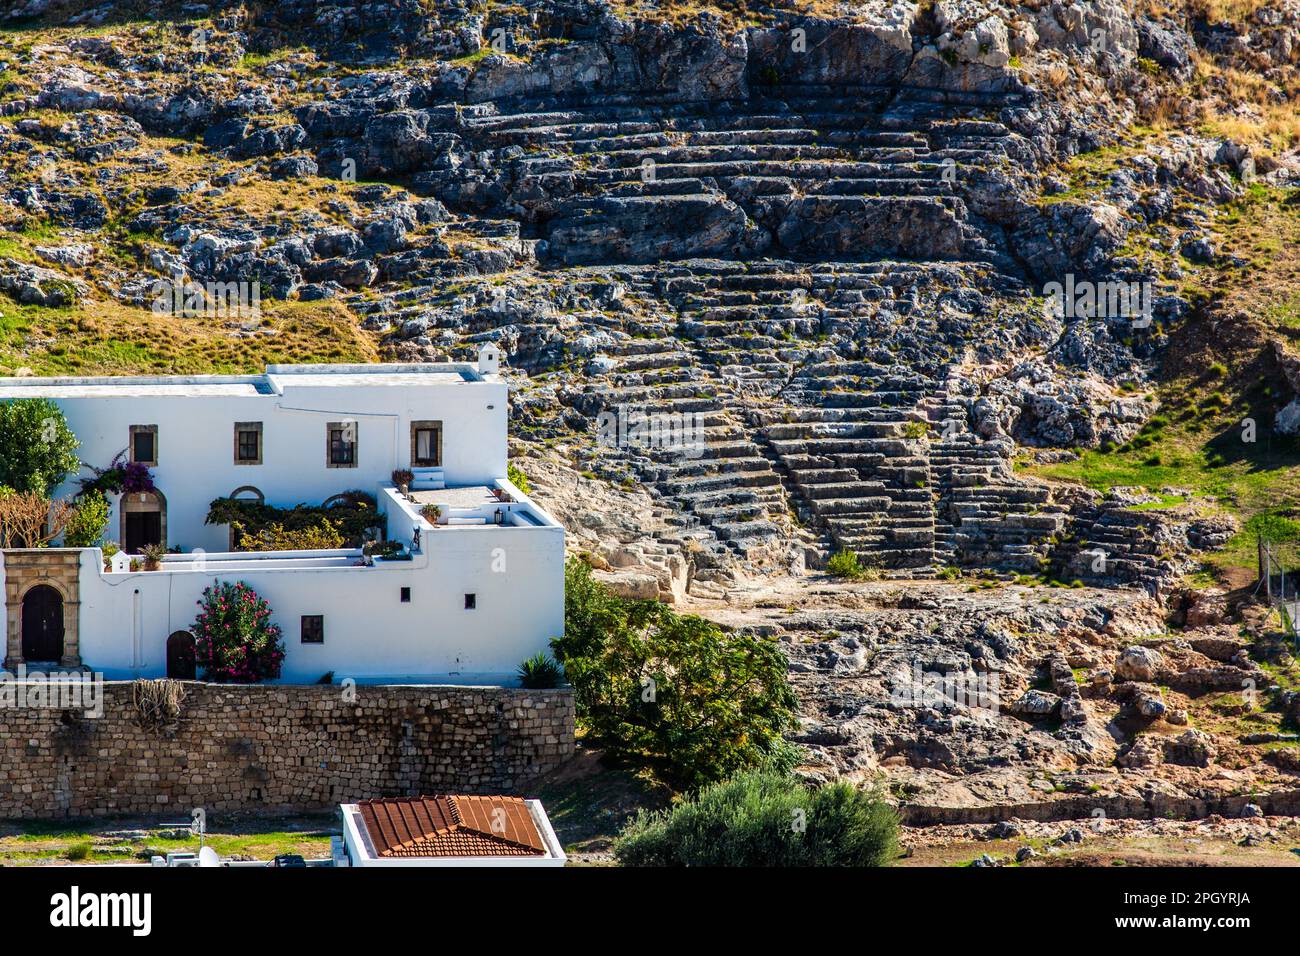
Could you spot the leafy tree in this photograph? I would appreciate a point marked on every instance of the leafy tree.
(37, 448)
(87, 522)
(765, 819)
(234, 639)
(672, 692)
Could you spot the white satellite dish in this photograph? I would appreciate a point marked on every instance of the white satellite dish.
(208, 857)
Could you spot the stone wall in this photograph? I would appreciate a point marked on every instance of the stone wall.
(239, 748)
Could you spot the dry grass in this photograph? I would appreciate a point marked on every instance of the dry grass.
(1225, 11)
(101, 338)
(1273, 130)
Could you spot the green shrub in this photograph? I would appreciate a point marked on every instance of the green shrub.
(350, 517)
(846, 564)
(78, 851)
(235, 640)
(915, 430)
(87, 522)
(518, 478)
(540, 672)
(386, 550)
(673, 693)
(321, 535)
(765, 819)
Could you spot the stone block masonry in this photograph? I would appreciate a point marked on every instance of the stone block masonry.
(279, 748)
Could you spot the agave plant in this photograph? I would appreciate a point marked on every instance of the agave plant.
(540, 672)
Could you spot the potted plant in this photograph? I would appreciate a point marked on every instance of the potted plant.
(153, 556)
(402, 478)
(431, 514)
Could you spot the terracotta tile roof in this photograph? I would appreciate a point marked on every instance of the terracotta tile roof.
(451, 826)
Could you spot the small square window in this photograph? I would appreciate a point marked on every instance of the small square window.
(248, 443)
(406, 595)
(313, 628)
(341, 445)
(471, 601)
(144, 444)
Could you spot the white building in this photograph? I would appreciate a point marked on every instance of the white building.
(476, 594)
(448, 831)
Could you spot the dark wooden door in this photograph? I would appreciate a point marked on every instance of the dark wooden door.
(180, 656)
(42, 624)
(142, 528)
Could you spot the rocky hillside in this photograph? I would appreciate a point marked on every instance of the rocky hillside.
(818, 242)
(1008, 291)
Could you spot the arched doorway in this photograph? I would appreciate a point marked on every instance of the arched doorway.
(144, 520)
(180, 656)
(42, 623)
(243, 493)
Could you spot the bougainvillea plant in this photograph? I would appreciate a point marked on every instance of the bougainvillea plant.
(234, 639)
(120, 477)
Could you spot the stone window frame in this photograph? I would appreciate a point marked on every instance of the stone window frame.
(318, 626)
(417, 426)
(330, 428)
(249, 427)
(142, 430)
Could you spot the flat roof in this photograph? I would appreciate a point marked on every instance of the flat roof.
(44, 388)
(272, 382)
(395, 379)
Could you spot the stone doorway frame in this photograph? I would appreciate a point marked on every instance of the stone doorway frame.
(26, 568)
(132, 503)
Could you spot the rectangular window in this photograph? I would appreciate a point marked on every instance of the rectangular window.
(406, 595)
(341, 451)
(144, 444)
(313, 628)
(426, 444)
(248, 443)
(471, 601)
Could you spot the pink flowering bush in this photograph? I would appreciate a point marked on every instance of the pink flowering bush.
(235, 641)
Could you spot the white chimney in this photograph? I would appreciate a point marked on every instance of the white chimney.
(489, 360)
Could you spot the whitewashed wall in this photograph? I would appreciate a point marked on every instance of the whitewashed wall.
(517, 575)
(196, 443)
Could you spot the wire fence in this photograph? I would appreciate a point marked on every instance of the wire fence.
(1279, 580)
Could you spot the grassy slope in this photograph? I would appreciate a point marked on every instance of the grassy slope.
(1219, 371)
(101, 335)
